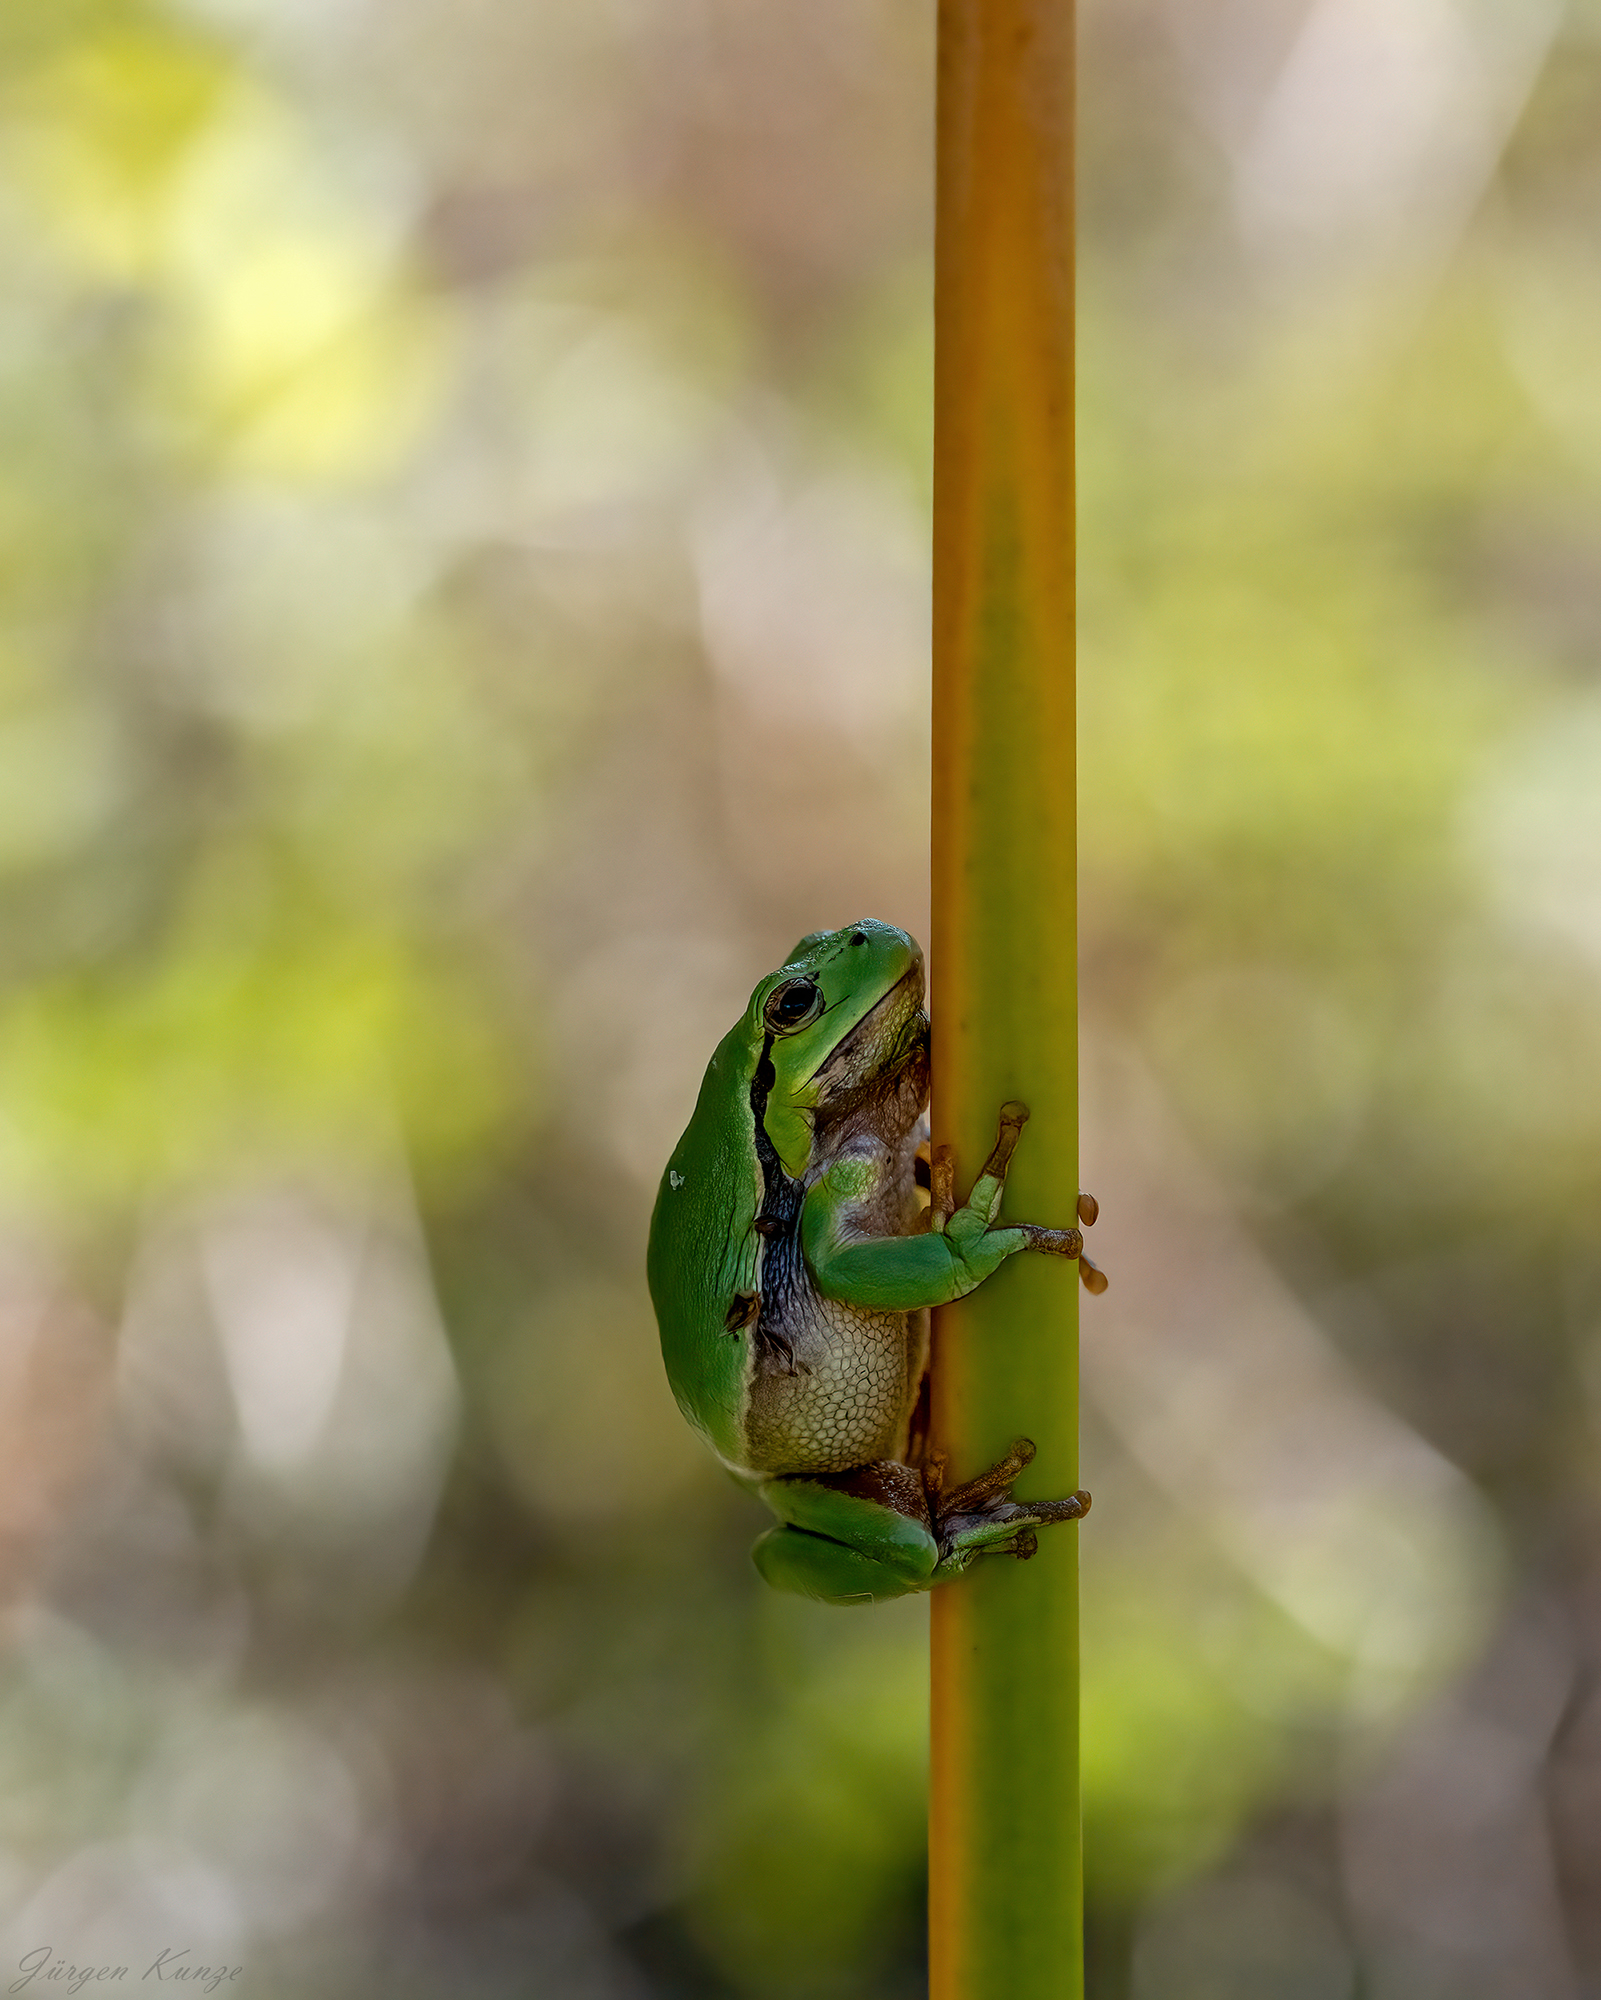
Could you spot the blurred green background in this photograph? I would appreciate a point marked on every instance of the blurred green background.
(463, 612)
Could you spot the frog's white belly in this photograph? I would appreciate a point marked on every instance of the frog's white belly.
(849, 1401)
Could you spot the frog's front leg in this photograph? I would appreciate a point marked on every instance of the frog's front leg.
(904, 1273)
(976, 1219)
(942, 1196)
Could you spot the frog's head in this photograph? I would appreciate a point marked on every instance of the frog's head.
(841, 1016)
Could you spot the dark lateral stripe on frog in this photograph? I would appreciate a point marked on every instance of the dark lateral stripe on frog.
(780, 1211)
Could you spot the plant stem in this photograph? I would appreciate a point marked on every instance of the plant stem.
(1006, 1901)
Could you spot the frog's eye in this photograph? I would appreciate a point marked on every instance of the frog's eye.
(792, 1005)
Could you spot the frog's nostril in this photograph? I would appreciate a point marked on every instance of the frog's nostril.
(858, 937)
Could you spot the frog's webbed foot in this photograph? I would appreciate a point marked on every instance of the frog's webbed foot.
(981, 1517)
(986, 1198)
(1065, 1243)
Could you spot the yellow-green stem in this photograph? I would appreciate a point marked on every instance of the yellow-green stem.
(1006, 1902)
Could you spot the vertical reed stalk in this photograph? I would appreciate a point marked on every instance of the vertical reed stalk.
(1006, 1913)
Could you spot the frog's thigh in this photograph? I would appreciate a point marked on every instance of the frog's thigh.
(812, 1566)
(841, 1547)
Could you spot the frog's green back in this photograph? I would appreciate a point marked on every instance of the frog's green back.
(703, 1247)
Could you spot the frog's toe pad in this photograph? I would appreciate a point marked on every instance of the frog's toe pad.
(1093, 1278)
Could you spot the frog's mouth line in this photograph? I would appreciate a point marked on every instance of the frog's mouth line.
(841, 1052)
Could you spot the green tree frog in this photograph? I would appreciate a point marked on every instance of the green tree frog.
(794, 1256)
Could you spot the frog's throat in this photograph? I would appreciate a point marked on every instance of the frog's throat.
(846, 1046)
(783, 1130)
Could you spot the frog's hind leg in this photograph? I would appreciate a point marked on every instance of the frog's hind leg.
(811, 1565)
(849, 1537)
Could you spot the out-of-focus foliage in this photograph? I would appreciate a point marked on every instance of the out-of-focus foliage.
(463, 602)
